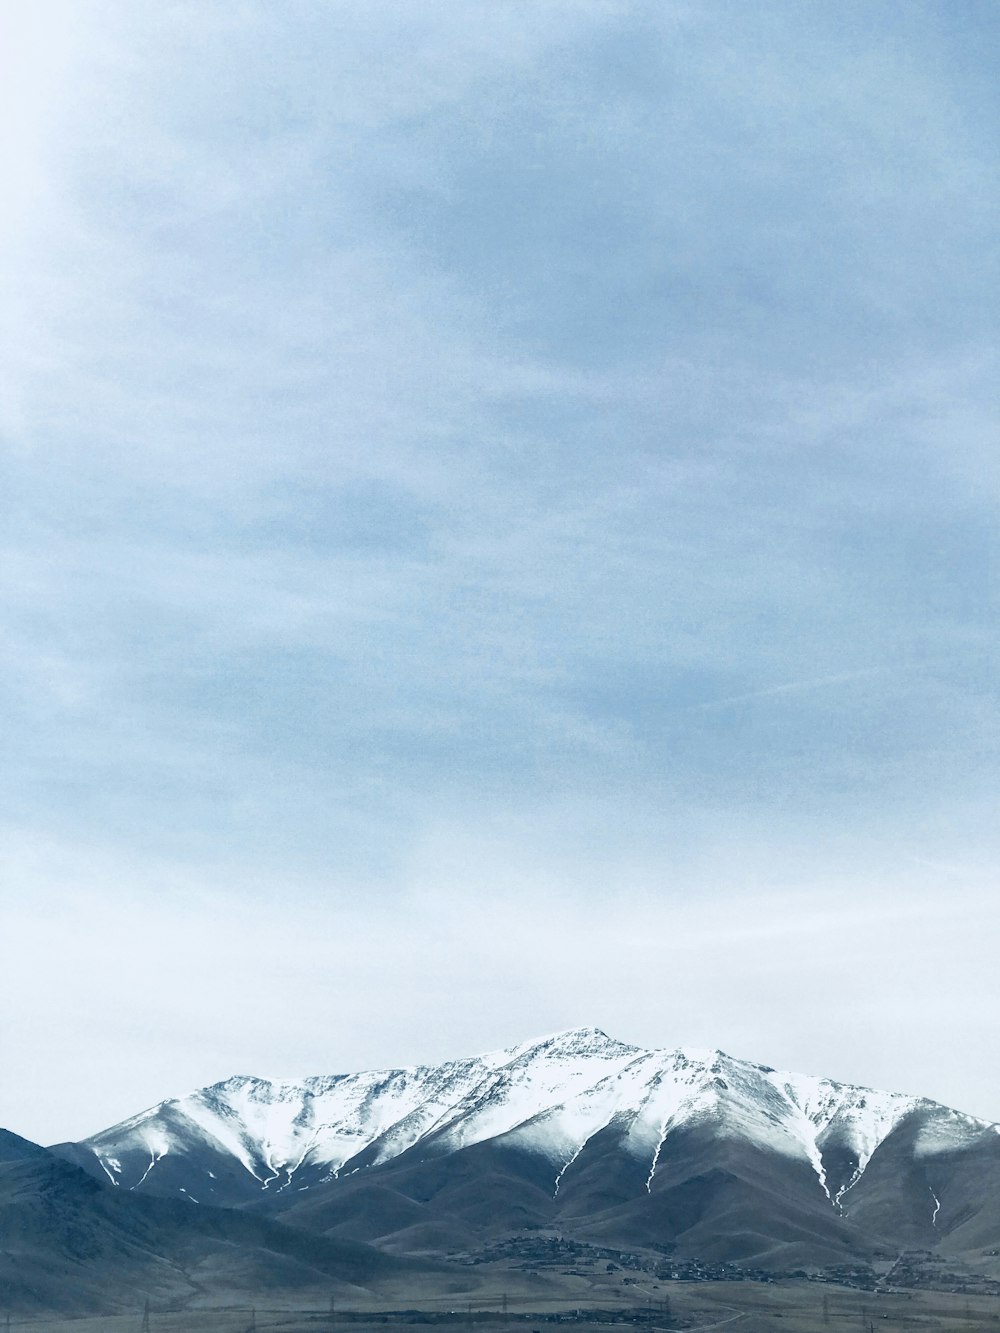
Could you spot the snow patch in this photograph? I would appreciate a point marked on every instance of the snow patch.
(114, 1179)
(656, 1157)
(154, 1158)
(568, 1164)
(946, 1131)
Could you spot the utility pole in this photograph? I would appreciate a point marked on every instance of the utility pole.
(144, 1326)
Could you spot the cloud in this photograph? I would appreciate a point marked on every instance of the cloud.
(517, 445)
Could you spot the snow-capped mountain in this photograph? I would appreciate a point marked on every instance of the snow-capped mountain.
(576, 1126)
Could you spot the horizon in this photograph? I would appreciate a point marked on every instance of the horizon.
(500, 522)
(529, 1043)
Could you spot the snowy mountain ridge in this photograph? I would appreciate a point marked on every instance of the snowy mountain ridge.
(549, 1098)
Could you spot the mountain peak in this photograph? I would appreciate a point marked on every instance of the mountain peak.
(571, 1043)
(582, 1036)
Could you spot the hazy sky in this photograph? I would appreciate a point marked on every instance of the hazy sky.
(499, 532)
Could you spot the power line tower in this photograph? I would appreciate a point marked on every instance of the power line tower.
(504, 1304)
(252, 1326)
(144, 1326)
(333, 1312)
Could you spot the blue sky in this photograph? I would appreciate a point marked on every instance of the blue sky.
(499, 532)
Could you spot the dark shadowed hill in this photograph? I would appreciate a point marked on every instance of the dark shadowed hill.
(74, 1244)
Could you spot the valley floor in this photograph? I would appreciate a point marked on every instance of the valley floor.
(780, 1307)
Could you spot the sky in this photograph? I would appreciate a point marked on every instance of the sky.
(498, 532)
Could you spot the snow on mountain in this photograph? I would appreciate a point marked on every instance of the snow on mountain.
(548, 1097)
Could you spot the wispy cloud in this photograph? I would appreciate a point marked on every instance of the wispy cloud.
(792, 687)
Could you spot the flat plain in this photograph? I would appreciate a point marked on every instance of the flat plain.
(743, 1307)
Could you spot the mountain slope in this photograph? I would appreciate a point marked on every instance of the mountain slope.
(719, 1156)
(71, 1243)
